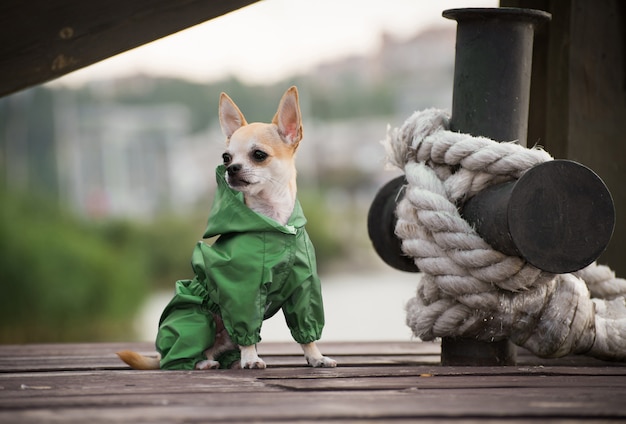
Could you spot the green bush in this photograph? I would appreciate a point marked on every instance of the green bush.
(164, 245)
(321, 227)
(61, 281)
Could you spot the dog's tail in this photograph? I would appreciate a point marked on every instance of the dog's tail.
(139, 362)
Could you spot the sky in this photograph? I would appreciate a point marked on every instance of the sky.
(273, 39)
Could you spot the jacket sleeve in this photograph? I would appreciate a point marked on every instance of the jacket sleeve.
(233, 271)
(304, 309)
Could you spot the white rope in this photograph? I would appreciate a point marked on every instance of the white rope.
(469, 289)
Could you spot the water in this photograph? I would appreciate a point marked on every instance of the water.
(358, 307)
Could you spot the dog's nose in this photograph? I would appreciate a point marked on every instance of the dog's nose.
(233, 169)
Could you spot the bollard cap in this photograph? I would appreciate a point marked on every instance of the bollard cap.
(561, 216)
(515, 14)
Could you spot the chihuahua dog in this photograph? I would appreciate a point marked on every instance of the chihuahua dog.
(259, 169)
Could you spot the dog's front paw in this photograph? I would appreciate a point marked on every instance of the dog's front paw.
(322, 362)
(250, 359)
(253, 364)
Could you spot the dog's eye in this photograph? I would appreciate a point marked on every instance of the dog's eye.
(259, 155)
(227, 158)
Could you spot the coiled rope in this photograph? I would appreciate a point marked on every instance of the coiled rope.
(469, 289)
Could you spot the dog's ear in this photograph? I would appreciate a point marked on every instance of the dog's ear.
(231, 118)
(288, 118)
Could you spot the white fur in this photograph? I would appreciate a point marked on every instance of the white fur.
(268, 186)
(250, 359)
(222, 344)
(315, 358)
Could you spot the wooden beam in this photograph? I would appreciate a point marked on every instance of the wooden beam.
(578, 98)
(597, 100)
(41, 40)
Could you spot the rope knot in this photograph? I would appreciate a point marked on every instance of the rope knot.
(468, 289)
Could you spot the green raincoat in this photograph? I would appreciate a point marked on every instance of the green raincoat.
(256, 267)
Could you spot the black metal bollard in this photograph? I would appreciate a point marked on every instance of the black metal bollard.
(490, 98)
(491, 93)
(493, 64)
(559, 216)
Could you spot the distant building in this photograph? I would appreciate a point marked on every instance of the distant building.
(116, 159)
(104, 157)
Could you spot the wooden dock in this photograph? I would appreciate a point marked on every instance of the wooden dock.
(375, 382)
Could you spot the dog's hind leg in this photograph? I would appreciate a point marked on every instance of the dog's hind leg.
(315, 358)
(222, 344)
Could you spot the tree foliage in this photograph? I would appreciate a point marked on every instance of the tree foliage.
(60, 280)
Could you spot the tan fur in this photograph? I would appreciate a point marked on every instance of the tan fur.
(139, 362)
(268, 184)
(273, 189)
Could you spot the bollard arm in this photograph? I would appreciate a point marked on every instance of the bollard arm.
(381, 224)
(559, 216)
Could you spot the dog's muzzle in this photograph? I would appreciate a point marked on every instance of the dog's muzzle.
(234, 177)
(233, 169)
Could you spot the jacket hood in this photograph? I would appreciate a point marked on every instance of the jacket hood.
(229, 213)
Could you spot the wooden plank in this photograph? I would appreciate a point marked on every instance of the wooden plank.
(76, 357)
(432, 403)
(22, 389)
(41, 40)
(112, 362)
(439, 371)
(269, 348)
(289, 393)
(438, 381)
(71, 349)
(400, 348)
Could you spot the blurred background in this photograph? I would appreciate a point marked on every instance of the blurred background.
(107, 174)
